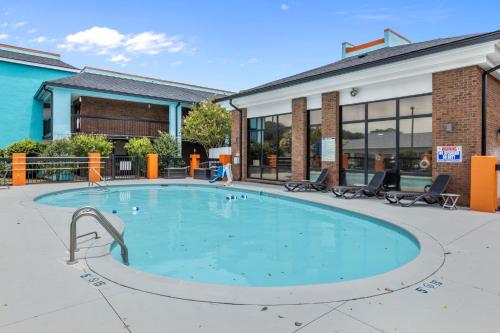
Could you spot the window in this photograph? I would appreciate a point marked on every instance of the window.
(388, 135)
(314, 144)
(270, 147)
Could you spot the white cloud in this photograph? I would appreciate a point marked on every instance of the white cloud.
(3, 36)
(40, 39)
(119, 59)
(4, 25)
(250, 61)
(18, 24)
(32, 31)
(122, 47)
(284, 7)
(176, 63)
(97, 38)
(153, 43)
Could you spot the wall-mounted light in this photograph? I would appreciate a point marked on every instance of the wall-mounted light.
(448, 127)
(149, 106)
(354, 92)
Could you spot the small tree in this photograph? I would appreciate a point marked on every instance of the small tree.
(208, 124)
(58, 148)
(30, 147)
(139, 147)
(83, 144)
(166, 145)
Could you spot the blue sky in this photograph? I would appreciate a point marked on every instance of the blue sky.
(227, 44)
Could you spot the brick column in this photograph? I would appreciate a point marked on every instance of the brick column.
(330, 128)
(235, 144)
(493, 118)
(456, 99)
(299, 138)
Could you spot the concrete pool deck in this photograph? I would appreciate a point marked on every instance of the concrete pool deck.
(39, 292)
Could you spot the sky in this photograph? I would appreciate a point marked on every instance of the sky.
(230, 45)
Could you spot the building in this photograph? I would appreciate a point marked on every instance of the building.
(44, 98)
(388, 104)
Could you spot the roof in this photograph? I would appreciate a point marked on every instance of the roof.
(130, 87)
(35, 59)
(371, 59)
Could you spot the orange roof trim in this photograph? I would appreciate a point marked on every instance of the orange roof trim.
(30, 50)
(152, 78)
(364, 46)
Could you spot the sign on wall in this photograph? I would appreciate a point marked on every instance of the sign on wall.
(449, 154)
(328, 149)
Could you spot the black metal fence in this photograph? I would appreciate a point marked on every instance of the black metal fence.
(5, 171)
(127, 167)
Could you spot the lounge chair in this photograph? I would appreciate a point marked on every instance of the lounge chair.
(431, 196)
(374, 187)
(307, 185)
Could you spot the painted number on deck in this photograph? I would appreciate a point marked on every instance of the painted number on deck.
(425, 287)
(93, 280)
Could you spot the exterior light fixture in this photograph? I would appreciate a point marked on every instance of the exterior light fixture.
(448, 127)
(354, 92)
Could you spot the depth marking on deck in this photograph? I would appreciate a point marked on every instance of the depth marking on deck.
(425, 287)
(93, 280)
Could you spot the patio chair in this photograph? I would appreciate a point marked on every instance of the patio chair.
(307, 185)
(431, 195)
(374, 187)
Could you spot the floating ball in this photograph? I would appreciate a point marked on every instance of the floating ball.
(115, 211)
(244, 196)
(135, 208)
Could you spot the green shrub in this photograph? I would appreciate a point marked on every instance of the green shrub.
(29, 147)
(58, 148)
(83, 144)
(165, 145)
(139, 147)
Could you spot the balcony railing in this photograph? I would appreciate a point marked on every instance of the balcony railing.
(117, 127)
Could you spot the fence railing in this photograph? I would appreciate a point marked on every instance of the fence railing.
(117, 127)
(5, 171)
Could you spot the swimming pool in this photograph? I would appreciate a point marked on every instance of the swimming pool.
(194, 233)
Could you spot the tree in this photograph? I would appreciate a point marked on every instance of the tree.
(139, 147)
(208, 124)
(166, 145)
(83, 144)
(30, 147)
(58, 148)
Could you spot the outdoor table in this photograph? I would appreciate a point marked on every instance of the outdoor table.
(450, 200)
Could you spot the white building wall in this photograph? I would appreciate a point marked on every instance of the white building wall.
(269, 109)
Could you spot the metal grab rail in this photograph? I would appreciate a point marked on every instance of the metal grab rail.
(104, 187)
(93, 212)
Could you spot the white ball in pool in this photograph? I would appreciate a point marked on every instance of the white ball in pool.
(135, 208)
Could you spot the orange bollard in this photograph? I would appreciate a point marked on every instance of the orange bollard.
(94, 167)
(225, 159)
(483, 184)
(194, 164)
(152, 160)
(19, 169)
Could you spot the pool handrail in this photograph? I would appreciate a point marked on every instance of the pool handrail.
(93, 212)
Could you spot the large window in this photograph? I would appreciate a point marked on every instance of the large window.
(388, 135)
(314, 144)
(270, 147)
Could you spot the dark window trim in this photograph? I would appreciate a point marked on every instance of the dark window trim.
(308, 141)
(365, 121)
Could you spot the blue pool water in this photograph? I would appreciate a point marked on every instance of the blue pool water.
(194, 233)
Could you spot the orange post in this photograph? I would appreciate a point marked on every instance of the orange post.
(19, 169)
(94, 167)
(152, 160)
(194, 164)
(225, 159)
(483, 184)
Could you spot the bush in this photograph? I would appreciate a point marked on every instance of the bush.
(29, 147)
(165, 145)
(139, 147)
(83, 144)
(58, 148)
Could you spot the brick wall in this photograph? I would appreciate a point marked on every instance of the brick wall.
(456, 99)
(493, 118)
(299, 138)
(330, 128)
(129, 111)
(235, 144)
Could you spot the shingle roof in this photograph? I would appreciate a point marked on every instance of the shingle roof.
(371, 59)
(34, 59)
(123, 86)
